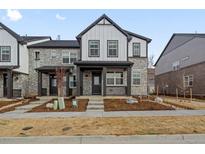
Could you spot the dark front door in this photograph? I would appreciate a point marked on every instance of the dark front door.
(53, 85)
(96, 83)
(5, 84)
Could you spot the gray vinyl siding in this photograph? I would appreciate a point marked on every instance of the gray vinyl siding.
(195, 49)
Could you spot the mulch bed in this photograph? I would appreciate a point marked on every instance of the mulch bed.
(25, 102)
(5, 103)
(122, 105)
(82, 106)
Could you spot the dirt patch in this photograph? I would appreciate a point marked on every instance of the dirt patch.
(82, 106)
(103, 126)
(122, 105)
(12, 108)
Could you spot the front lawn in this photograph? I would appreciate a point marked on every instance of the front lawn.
(82, 106)
(103, 126)
(122, 105)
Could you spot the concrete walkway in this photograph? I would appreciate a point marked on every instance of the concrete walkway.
(15, 115)
(138, 139)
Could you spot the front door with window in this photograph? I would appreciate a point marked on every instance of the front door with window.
(53, 85)
(96, 83)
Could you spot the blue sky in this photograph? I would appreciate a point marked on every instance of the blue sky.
(158, 25)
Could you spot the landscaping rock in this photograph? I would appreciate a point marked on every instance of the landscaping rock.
(49, 105)
(159, 100)
(27, 128)
(66, 128)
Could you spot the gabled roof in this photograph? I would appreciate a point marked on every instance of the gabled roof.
(177, 40)
(34, 38)
(56, 44)
(139, 36)
(104, 16)
(15, 35)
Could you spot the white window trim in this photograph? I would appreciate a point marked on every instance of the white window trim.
(71, 87)
(89, 53)
(108, 48)
(115, 85)
(133, 72)
(188, 80)
(1, 55)
(138, 43)
(68, 55)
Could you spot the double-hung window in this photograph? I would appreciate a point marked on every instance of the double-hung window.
(136, 77)
(94, 48)
(188, 81)
(114, 78)
(37, 55)
(69, 58)
(5, 52)
(72, 81)
(112, 46)
(136, 49)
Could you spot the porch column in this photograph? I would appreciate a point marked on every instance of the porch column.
(9, 84)
(129, 80)
(39, 83)
(78, 81)
(67, 84)
(104, 80)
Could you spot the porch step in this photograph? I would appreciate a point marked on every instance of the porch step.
(96, 103)
(95, 107)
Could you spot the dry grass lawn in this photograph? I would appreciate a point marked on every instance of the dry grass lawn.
(103, 126)
(184, 103)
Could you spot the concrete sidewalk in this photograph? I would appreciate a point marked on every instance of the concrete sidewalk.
(138, 139)
(14, 115)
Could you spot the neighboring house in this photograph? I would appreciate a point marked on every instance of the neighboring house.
(14, 62)
(113, 61)
(151, 80)
(45, 58)
(181, 65)
(104, 60)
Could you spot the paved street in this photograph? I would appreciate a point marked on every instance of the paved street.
(17, 115)
(139, 139)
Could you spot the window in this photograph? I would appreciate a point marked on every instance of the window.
(94, 48)
(73, 57)
(72, 81)
(112, 46)
(175, 66)
(5, 52)
(37, 55)
(136, 49)
(136, 78)
(188, 81)
(69, 58)
(114, 78)
(66, 58)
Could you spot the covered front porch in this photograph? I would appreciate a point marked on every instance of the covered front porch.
(47, 80)
(106, 78)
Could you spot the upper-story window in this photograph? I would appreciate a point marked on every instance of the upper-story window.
(136, 49)
(188, 81)
(112, 46)
(94, 48)
(5, 53)
(175, 65)
(69, 57)
(37, 55)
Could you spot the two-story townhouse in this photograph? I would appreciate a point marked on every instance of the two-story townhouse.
(113, 61)
(14, 61)
(181, 65)
(48, 57)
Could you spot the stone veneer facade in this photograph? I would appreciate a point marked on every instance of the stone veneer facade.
(48, 57)
(140, 64)
(20, 84)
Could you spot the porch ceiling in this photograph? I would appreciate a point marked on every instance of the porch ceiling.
(103, 63)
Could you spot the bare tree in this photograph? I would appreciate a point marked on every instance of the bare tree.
(60, 72)
(151, 61)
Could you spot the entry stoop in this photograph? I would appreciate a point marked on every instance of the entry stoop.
(95, 104)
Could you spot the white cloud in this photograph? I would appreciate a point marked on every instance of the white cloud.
(59, 17)
(14, 15)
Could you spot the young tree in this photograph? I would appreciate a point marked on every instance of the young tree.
(151, 61)
(60, 73)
